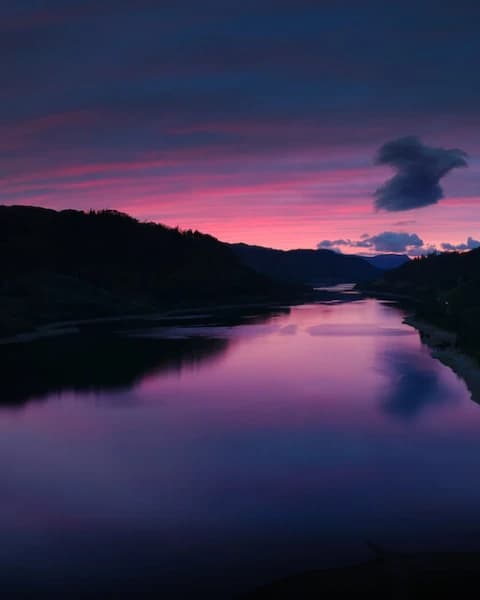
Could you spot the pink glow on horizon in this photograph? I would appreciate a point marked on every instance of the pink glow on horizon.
(250, 187)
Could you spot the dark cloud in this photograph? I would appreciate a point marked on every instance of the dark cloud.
(419, 170)
(470, 244)
(388, 241)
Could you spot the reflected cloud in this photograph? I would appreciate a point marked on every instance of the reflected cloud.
(414, 385)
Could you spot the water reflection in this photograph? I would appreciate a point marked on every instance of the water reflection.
(260, 449)
(86, 363)
(413, 385)
(108, 356)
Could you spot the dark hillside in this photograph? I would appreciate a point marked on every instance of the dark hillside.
(311, 267)
(387, 261)
(72, 264)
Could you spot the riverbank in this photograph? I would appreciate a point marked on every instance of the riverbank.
(443, 346)
(169, 315)
(127, 321)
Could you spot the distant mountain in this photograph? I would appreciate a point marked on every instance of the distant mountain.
(71, 264)
(312, 267)
(445, 289)
(387, 261)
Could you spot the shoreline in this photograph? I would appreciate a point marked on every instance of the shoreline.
(442, 345)
(73, 326)
(441, 342)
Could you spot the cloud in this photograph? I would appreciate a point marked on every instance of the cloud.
(391, 241)
(332, 244)
(404, 223)
(469, 245)
(397, 242)
(387, 241)
(423, 251)
(419, 170)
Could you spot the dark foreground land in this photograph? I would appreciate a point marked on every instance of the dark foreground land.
(419, 576)
(416, 576)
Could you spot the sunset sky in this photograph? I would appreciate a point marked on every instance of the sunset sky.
(256, 121)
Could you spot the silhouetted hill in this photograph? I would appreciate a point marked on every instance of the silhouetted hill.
(69, 264)
(446, 290)
(387, 261)
(312, 267)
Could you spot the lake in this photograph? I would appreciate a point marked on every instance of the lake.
(212, 455)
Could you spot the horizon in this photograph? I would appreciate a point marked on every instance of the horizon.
(262, 124)
(181, 230)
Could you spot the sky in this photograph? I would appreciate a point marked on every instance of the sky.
(280, 123)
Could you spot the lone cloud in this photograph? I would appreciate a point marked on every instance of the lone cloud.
(419, 170)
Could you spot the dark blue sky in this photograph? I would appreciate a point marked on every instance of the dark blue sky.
(255, 120)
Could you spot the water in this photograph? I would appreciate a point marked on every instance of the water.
(229, 455)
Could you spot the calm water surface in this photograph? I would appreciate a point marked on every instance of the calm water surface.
(230, 455)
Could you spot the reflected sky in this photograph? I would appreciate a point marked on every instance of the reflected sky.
(275, 445)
